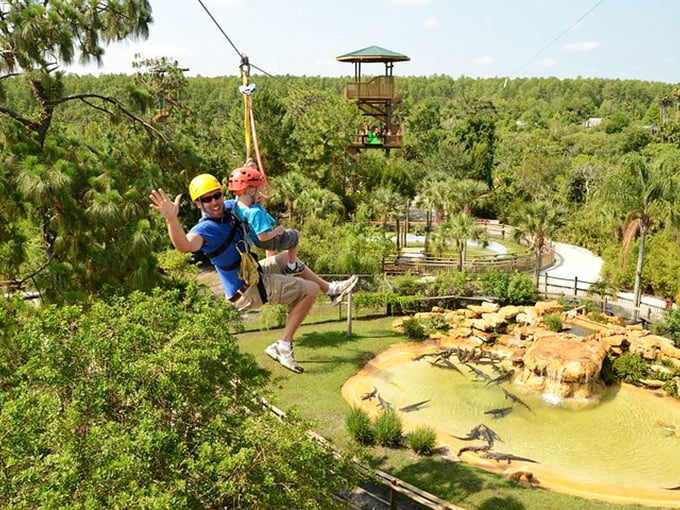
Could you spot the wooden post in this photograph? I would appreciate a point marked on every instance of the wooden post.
(349, 315)
(575, 286)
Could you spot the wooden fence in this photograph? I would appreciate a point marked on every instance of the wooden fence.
(418, 263)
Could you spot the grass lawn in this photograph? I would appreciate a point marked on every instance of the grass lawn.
(329, 358)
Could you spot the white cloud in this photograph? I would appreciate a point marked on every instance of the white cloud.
(546, 62)
(409, 2)
(486, 59)
(431, 23)
(582, 46)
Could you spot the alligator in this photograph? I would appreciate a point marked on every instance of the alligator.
(479, 373)
(499, 412)
(444, 363)
(482, 448)
(501, 378)
(490, 435)
(515, 398)
(475, 433)
(370, 394)
(382, 403)
(676, 488)
(413, 407)
(499, 457)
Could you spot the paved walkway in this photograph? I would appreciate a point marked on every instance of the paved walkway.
(576, 262)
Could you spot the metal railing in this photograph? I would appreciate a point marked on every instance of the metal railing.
(620, 304)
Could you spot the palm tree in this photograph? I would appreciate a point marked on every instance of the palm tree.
(536, 223)
(462, 228)
(645, 192)
(464, 194)
(286, 188)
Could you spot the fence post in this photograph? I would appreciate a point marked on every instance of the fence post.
(575, 286)
(545, 288)
(349, 315)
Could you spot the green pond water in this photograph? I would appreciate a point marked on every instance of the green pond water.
(629, 438)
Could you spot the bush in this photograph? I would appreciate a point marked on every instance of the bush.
(388, 429)
(509, 288)
(273, 316)
(413, 329)
(630, 367)
(422, 440)
(553, 322)
(437, 322)
(359, 426)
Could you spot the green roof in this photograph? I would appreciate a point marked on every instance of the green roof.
(373, 54)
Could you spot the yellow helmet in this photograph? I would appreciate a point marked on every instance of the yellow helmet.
(202, 184)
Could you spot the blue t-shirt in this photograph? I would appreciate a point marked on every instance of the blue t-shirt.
(215, 233)
(257, 218)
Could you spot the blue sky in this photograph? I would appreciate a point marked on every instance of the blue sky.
(627, 39)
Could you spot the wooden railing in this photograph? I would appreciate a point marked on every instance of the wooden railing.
(380, 87)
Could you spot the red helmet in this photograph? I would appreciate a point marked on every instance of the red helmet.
(243, 178)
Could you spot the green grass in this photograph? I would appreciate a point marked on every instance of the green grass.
(330, 358)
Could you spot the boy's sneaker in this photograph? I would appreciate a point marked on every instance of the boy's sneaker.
(285, 357)
(339, 290)
(299, 267)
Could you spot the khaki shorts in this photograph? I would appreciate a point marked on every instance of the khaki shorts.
(281, 289)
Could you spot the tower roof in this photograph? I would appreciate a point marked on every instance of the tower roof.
(373, 54)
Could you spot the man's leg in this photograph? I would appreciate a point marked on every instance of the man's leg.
(298, 311)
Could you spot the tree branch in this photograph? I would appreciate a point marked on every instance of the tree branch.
(84, 97)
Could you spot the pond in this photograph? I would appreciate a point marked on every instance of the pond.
(623, 448)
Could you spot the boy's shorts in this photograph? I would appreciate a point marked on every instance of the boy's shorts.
(286, 241)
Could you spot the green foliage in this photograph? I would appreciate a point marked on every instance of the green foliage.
(670, 325)
(454, 283)
(437, 322)
(359, 426)
(273, 316)
(553, 322)
(413, 328)
(146, 402)
(388, 429)
(422, 440)
(508, 288)
(630, 367)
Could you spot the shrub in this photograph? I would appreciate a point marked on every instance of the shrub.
(521, 290)
(630, 367)
(413, 329)
(388, 429)
(359, 426)
(437, 322)
(422, 440)
(553, 322)
(274, 316)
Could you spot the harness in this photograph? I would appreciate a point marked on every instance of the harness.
(236, 226)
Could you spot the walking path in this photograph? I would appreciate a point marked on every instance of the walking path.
(576, 262)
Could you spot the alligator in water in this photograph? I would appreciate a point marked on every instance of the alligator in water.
(370, 394)
(501, 457)
(414, 407)
(479, 373)
(382, 403)
(515, 398)
(501, 378)
(499, 412)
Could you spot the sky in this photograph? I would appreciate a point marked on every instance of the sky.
(625, 39)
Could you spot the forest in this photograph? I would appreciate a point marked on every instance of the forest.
(75, 219)
(80, 154)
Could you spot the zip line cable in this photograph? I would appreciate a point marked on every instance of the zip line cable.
(220, 28)
(557, 38)
(246, 90)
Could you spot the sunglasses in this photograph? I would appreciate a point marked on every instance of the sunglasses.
(210, 198)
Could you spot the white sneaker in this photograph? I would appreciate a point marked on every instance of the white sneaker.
(339, 290)
(284, 357)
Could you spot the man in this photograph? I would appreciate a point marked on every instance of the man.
(222, 238)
